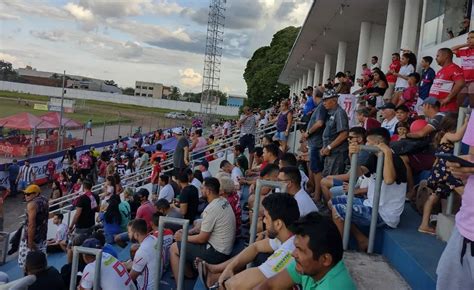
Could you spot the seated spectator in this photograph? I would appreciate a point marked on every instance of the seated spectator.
(146, 209)
(215, 240)
(111, 219)
(77, 240)
(125, 208)
(196, 180)
(409, 96)
(403, 128)
(46, 277)
(289, 159)
(188, 198)
(281, 211)
(159, 153)
(59, 243)
(113, 274)
(402, 114)
(204, 167)
(225, 169)
(270, 154)
(441, 182)
(388, 114)
(239, 156)
(166, 190)
(228, 191)
(164, 208)
(144, 264)
(392, 193)
(318, 262)
(257, 162)
(365, 121)
(292, 178)
(167, 240)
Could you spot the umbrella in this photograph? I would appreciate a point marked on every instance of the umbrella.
(25, 121)
(54, 117)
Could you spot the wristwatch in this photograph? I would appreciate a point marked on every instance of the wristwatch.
(329, 147)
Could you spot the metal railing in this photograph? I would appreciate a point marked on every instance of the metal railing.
(182, 253)
(350, 196)
(75, 265)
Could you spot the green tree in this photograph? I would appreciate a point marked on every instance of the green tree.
(7, 73)
(175, 94)
(264, 68)
(128, 91)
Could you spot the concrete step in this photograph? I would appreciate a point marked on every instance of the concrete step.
(373, 272)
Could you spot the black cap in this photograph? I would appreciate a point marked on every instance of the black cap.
(387, 106)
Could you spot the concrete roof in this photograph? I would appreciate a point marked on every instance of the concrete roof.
(313, 43)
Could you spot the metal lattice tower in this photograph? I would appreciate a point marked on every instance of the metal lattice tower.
(212, 58)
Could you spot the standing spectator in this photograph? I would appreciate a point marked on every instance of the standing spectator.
(263, 120)
(85, 164)
(113, 274)
(154, 178)
(46, 277)
(465, 51)
(248, 128)
(87, 204)
(283, 124)
(181, 153)
(365, 121)
(391, 77)
(335, 134)
(50, 170)
(188, 198)
(456, 263)
(427, 77)
(216, 237)
(374, 63)
(389, 117)
(166, 190)
(198, 145)
(13, 172)
(158, 153)
(408, 64)
(36, 224)
(144, 264)
(26, 175)
(448, 82)
(89, 127)
(146, 209)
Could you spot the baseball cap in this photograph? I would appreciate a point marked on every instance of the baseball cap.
(387, 106)
(92, 243)
(329, 94)
(143, 192)
(403, 108)
(177, 131)
(32, 188)
(431, 101)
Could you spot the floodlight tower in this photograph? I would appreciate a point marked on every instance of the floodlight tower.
(212, 57)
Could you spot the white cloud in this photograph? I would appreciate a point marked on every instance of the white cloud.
(190, 78)
(83, 15)
(5, 16)
(55, 35)
(11, 59)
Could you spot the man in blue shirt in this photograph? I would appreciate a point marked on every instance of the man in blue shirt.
(13, 171)
(427, 77)
(309, 105)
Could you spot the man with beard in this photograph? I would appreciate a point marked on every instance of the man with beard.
(280, 211)
(318, 260)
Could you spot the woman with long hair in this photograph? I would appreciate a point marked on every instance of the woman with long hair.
(112, 219)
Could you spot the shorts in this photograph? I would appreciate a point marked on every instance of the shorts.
(361, 214)
(204, 251)
(280, 136)
(23, 251)
(335, 163)
(315, 162)
(248, 141)
(454, 272)
(337, 190)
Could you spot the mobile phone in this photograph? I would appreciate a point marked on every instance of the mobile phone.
(453, 158)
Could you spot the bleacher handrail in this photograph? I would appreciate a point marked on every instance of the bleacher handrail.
(75, 265)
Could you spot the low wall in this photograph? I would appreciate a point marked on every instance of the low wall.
(113, 98)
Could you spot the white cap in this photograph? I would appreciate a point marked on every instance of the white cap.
(177, 131)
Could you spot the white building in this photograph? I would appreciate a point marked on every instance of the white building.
(343, 35)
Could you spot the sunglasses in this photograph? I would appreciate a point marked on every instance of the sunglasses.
(29, 193)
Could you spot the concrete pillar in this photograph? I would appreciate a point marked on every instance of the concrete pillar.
(363, 50)
(327, 67)
(317, 74)
(300, 87)
(305, 81)
(410, 25)
(341, 56)
(310, 79)
(392, 26)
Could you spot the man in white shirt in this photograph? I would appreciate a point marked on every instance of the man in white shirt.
(292, 177)
(374, 63)
(166, 191)
(289, 159)
(389, 115)
(59, 243)
(204, 168)
(280, 211)
(144, 264)
(113, 274)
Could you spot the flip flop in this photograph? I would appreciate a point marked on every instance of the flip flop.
(427, 232)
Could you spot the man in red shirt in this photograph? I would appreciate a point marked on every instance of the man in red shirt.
(466, 53)
(448, 82)
(155, 174)
(146, 209)
(391, 78)
(365, 121)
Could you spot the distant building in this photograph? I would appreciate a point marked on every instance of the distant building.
(235, 101)
(152, 90)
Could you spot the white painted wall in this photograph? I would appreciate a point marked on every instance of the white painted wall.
(113, 98)
(432, 50)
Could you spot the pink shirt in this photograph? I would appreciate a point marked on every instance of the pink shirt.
(465, 216)
(146, 211)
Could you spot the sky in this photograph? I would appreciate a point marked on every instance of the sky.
(146, 40)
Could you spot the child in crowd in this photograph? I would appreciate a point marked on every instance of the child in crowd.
(410, 94)
(403, 128)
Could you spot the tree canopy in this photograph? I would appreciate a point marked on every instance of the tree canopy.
(263, 69)
(7, 73)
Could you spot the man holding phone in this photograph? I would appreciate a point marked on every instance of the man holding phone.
(457, 261)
